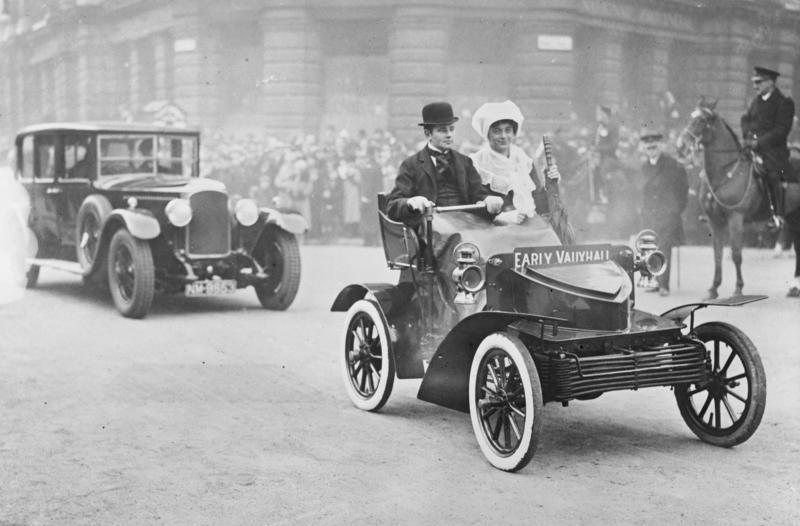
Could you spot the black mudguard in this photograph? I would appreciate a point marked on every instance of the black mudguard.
(446, 381)
(385, 294)
(679, 314)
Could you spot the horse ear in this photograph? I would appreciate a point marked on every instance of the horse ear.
(713, 105)
(702, 101)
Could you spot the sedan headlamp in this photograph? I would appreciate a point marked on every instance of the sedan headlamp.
(179, 212)
(246, 212)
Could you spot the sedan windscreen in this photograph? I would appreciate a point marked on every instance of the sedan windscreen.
(170, 155)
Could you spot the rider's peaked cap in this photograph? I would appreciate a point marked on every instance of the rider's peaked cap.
(437, 114)
(762, 73)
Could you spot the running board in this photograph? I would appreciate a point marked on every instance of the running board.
(58, 264)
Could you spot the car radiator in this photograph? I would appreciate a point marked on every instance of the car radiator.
(209, 232)
(566, 376)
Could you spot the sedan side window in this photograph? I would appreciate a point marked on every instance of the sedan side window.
(45, 157)
(27, 157)
(77, 157)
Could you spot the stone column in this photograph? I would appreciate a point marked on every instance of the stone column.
(291, 83)
(608, 72)
(58, 88)
(788, 43)
(544, 72)
(162, 51)
(418, 47)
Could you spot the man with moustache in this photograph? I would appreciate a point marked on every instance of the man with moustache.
(664, 197)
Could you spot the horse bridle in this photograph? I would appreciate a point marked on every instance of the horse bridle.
(696, 138)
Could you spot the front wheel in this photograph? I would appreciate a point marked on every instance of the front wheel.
(131, 274)
(726, 409)
(505, 401)
(278, 255)
(367, 361)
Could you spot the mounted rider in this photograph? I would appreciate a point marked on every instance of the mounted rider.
(765, 128)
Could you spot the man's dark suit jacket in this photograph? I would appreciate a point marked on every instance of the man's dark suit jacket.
(417, 176)
(770, 121)
(664, 197)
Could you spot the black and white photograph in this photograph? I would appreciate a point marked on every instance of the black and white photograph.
(393, 262)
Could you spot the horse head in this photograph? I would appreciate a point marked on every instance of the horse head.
(700, 129)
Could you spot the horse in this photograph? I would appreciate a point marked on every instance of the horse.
(732, 193)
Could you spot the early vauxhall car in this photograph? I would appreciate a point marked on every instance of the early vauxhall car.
(498, 320)
(124, 206)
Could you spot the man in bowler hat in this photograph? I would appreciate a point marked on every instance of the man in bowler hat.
(437, 174)
(765, 128)
(664, 197)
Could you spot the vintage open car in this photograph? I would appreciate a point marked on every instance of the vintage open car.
(499, 320)
(124, 205)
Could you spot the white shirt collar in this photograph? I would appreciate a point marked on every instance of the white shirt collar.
(433, 148)
(766, 96)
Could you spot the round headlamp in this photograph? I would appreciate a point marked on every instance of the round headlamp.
(179, 212)
(246, 212)
(655, 262)
(469, 277)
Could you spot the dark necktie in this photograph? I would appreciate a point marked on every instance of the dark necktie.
(442, 162)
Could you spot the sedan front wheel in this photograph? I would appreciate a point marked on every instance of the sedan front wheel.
(131, 274)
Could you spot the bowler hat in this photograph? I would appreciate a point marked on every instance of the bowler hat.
(764, 73)
(650, 135)
(437, 114)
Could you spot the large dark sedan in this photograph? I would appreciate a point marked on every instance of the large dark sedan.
(123, 205)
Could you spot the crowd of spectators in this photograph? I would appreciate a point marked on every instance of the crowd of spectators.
(333, 178)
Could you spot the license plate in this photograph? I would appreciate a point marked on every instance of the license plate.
(211, 287)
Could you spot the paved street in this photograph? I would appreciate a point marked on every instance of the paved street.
(214, 411)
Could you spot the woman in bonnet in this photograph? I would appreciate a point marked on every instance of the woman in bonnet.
(505, 169)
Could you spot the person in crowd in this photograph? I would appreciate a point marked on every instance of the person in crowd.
(664, 197)
(604, 158)
(437, 174)
(505, 169)
(765, 129)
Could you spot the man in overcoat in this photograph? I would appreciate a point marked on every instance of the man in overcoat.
(437, 174)
(765, 128)
(664, 197)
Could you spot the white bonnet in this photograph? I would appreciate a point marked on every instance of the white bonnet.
(491, 112)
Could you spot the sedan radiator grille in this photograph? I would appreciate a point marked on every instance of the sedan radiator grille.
(566, 376)
(209, 232)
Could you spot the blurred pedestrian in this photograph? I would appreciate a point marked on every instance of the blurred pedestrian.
(664, 197)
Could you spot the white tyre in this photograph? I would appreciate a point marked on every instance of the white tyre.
(367, 361)
(505, 401)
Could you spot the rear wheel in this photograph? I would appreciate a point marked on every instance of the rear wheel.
(278, 254)
(505, 401)
(726, 409)
(91, 215)
(131, 274)
(367, 361)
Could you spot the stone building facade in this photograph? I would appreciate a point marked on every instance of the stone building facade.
(278, 66)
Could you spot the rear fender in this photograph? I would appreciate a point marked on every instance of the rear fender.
(679, 314)
(290, 221)
(446, 381)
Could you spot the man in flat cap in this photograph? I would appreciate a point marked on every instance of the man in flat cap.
(437, 174)
(765, 128)
(664, 197)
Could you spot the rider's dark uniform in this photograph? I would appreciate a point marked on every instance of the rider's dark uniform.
(769, 122)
